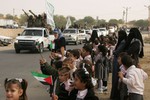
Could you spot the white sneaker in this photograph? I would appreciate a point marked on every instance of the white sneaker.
(104, 88)
(99, 90)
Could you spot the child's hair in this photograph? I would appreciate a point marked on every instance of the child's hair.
(122, 54)
(87, 48)
(127, 61)
(103, 49)
(58, 64)
(75, 53)
(67, 52)
(96, 42)
(64, 70)
(79, 51)
(87, 65)
(67, 61)
(22, 83)
(84, 77)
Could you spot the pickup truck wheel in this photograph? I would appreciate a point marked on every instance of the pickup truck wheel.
(1, 43)
(76, 42)
(81, 41)
(17, 50)
(40, 48)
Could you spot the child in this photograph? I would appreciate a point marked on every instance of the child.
(62, 84)
(102, 68)
(15, 89)
(123, 94)
(88, 65)
(69, 62)
(76, 56)
(86, 52)
(134, 78)
(83, 86)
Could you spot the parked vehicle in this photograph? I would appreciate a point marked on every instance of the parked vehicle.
(112, 29)
(88, 35)
(35, 39)
(82, 35)
(5, 41)
(103, 31)
(72, 35)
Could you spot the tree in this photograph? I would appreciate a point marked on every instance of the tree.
(101, 23)
(60, 21)
(80, 22)
(9, 16)
(113, 22)
(23, 19)
(89, 21)
(15, 18)
(141, 23)
(73, 19)
(1, 16)
(120, 21)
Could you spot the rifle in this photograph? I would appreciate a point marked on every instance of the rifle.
(25, 13)
(33, 13)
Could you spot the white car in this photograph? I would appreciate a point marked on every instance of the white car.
(4, 40)
(103, 31)
(88, 35)
(72, 35)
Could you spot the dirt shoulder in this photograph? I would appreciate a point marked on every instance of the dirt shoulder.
(10, 32)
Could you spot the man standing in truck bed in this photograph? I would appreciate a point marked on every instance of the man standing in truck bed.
(60, 42)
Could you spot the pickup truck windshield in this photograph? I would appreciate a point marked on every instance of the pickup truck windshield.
(81, 31)
(69, 31)
(32, 33)
(102, 29)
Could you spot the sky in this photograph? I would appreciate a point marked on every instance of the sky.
(101, 9)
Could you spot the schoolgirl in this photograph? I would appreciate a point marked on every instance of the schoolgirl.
(15, 89)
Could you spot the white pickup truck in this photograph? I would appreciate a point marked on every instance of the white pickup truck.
(73, 35)
(34, 39)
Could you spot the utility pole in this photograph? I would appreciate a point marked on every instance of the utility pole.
(13, 13)
(148, 12)
(126, 12)
(148, 18)
(123, 16)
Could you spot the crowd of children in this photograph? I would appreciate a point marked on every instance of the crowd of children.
(96, 60)
(82, 72)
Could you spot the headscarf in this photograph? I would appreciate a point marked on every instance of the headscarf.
(57, 31)
(122, 35)
(94, 36)
(135, 33)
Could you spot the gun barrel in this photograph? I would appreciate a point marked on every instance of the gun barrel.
(32, 13)
(25, 13)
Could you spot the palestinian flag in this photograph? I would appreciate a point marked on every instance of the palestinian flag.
(52, 45)
(44, 79)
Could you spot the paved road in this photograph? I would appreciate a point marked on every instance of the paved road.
(20, 65)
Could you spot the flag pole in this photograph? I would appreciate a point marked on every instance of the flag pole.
(41, 56)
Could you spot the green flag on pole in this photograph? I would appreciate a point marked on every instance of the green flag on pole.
(44, 79)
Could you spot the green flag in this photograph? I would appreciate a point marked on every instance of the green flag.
(44, 79)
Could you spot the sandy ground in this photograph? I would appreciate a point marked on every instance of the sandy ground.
(145, 61)
(10, 32)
